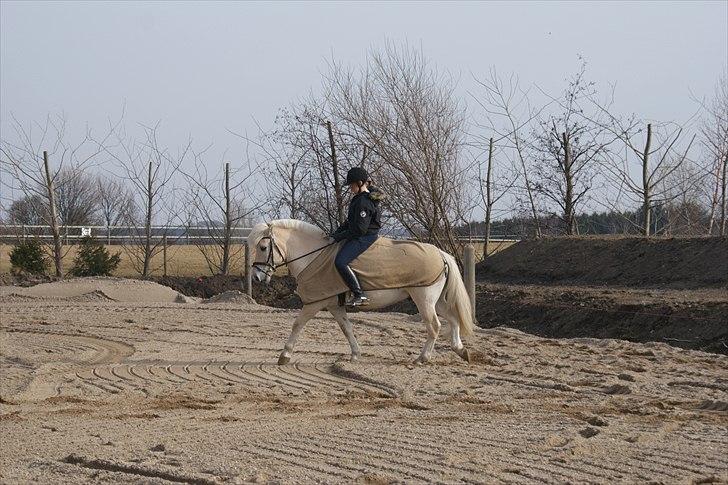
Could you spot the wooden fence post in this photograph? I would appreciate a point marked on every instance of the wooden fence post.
(248, 273)
(164, 253)
(469, 273)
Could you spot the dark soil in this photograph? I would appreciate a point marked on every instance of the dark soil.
(280, 292)
(614, 261)
(598, 287)
(24, 279)
(691, 319)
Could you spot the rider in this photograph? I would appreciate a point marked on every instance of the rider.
(360, 230)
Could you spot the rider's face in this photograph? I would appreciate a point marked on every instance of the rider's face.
(354, 188)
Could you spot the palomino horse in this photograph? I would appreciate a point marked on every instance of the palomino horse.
(293, 243)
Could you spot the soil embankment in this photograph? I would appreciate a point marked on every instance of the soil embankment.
(613, 261)
(666, 290)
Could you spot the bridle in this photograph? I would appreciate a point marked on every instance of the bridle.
(269, 266)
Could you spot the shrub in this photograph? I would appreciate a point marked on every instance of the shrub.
(28, 256)
(93, 259)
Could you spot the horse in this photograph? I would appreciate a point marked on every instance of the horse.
(294, 243)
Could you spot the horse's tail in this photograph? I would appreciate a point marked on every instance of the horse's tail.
(456, 298)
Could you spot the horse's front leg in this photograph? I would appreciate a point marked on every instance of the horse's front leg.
(339, 314)
(307, 313)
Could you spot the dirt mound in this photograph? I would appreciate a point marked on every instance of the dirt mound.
(97, 288)
(280, 293)
(690, 319)
(233, 296)
(21, 278)
(612, 261)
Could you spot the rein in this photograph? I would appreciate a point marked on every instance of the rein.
(270, 262)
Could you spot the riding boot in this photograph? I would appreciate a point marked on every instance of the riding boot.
(358, 298)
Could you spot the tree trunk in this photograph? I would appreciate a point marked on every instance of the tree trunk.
(225, 264)
(531, 200)
(148, 226)
(337, 183)
(53, 217)
(715, 198)
(488, 199)
(294, 204)
(723, 201)
(646, 189)
(569, 192)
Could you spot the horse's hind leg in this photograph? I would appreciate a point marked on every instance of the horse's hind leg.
(307, 313)
(339, 314)
(423, 298)
(455, 343)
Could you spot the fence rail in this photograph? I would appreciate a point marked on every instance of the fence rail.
(177, 235)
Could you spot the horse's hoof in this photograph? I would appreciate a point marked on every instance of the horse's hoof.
(420, 361)
(354, 358)
(465, 355)
(283, 359)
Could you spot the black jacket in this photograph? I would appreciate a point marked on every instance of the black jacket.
(364, 216)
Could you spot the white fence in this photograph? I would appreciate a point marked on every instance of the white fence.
(120, 235)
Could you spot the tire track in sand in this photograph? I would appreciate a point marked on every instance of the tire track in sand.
(254, 376)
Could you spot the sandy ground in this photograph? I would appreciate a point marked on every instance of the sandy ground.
(99, 390)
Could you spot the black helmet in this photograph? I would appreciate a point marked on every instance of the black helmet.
(356, 174)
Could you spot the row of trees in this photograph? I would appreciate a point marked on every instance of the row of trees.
(518, 152)
(119, 181)
(521, 152)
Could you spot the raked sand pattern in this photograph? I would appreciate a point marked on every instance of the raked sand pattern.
(99, 385)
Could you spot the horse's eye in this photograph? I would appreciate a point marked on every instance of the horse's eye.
(262, 248)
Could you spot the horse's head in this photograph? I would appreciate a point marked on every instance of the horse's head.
(264, 251)
(272, 243)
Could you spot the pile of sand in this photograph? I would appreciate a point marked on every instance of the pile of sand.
(233, 296)
(98, 288)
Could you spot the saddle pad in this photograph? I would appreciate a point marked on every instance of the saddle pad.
(386, 264)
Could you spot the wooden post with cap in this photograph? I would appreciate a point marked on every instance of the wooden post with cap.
(248, 272)
(164, 253)
(469, 273)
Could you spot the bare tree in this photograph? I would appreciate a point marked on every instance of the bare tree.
(569, 147)
(77, 197)
(492, 189)
(407, 115)
(27, 210)
(149, 169)
(115, 203)
(685, 213)
(662, 152)
(305, 155)
(220, 204)
(714, 136)
(39, 172)
(509, 114)
(285, 167)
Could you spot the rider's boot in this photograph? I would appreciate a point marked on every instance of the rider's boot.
(358, 298)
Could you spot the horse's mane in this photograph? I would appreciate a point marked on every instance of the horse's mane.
(261, 229)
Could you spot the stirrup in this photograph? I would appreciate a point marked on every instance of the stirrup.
(357, 300)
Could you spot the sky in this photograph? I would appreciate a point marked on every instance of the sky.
(205, 69)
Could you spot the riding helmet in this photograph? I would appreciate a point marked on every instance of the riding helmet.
(356, 174)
